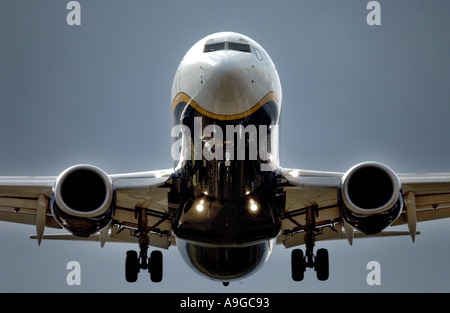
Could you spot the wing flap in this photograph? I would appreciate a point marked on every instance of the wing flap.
(18, 203)
(432, 201)
(115, 234)
(432, 196)
(335, 234)
(26, 218)
(19, 200)
(425, 215)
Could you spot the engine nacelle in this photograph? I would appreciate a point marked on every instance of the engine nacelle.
(83, 200)
(370, 197)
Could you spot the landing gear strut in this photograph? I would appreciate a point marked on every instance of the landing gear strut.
(134, 263)
(319, 262)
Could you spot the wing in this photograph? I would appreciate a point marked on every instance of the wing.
(426, 197)
(26, 200)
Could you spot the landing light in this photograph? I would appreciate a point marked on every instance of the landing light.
(253, 205)
(199, 207)
(294, 173)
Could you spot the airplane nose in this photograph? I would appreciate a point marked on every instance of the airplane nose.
(228, 85)
(227, 81)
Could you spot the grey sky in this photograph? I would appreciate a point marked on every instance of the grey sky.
(99, 93)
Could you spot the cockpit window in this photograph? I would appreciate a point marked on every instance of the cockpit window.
(238, 47)
(214, 47)
(227, 46)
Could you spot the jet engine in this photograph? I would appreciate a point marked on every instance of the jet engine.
(83, 200)
(370, 197)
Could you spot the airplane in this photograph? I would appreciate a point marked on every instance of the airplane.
(226, 201)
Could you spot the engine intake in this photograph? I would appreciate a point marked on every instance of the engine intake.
(370, 197)
(82, 199)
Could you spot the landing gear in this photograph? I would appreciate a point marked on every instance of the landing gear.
(299, 263)
(321, 266)
(131, 266)
(134, 263)
(319, 262)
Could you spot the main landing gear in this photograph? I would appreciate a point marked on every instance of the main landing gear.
(319, 262)
(134, 263)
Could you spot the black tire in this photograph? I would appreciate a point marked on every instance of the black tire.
(297, 265)
(131, 266)
(322, 264)
(156, 266)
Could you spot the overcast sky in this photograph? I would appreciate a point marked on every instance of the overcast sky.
(99, 93)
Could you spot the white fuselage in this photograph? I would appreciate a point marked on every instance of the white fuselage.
(226, 103)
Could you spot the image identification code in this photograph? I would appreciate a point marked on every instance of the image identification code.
(233, 302)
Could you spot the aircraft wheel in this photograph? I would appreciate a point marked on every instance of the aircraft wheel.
(322, 264)
(298, 265)
(156, 266)
(131, 266)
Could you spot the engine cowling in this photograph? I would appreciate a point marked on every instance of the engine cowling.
(370, 197)
(83, 200)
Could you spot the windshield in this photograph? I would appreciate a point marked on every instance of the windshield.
(227, 46)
